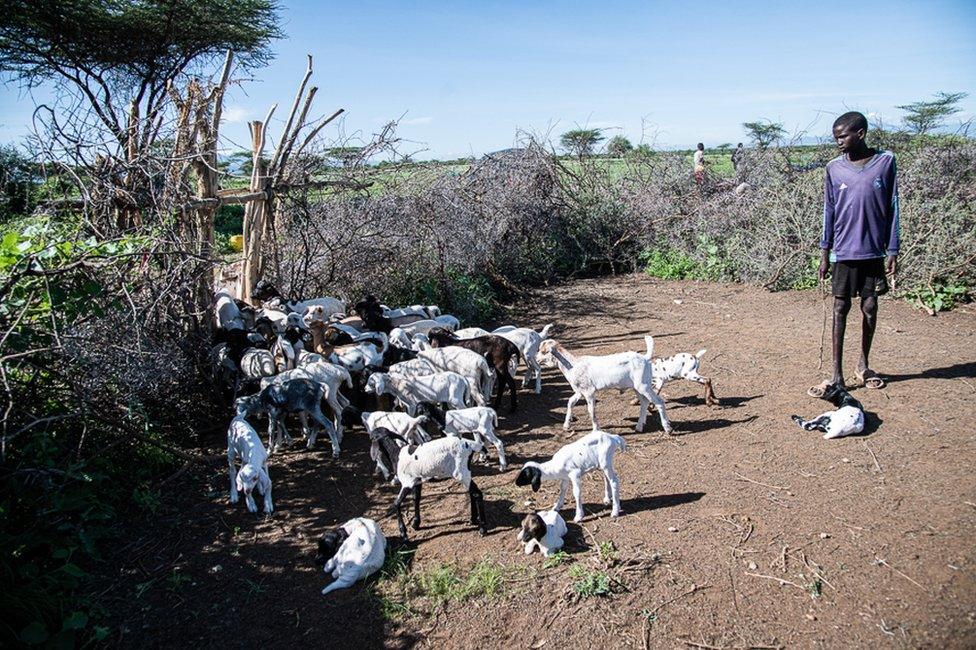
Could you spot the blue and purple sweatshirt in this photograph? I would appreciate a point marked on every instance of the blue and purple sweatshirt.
(860, 219)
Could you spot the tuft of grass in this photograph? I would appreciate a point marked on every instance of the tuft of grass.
(607, 552)
(587, 583)
(556, 559)
(447, 582)
(815, 588)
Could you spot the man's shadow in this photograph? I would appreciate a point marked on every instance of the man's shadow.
(965, 370)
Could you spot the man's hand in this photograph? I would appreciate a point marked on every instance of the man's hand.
(824, 265)
(891, 269)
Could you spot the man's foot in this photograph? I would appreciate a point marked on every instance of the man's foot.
(869, 378)
(821, 388)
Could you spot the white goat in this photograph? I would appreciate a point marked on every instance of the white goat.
(528, 342)
(479, 421)
(543, 530)
(244, 443)
(440, 388)
(448, 322)
(471, 332)
(403, 334)
(257, 363)
(589, 374)
(467, 363)
(226, 313)
(594, 451)
(352, 552)
(400, 423)
(412, 368)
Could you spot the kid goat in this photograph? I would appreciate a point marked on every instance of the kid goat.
(588, 374)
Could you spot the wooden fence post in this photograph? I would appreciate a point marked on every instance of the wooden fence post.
(254, 216)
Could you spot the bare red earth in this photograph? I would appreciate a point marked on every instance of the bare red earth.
(740, 531)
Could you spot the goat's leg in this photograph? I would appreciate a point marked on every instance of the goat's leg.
(337, 409)
(573, 400)
(610, 474)
(416, 506)
(233, 478)
(268, 506)
(648, 393)
(478, 508)
(331, 430)
(513, 390)
(397, 505)
(561, 499)
(577, 496)
(591, 407)
(303, 418)
(537, 371)
(272, 434)
(692, 375)
(499, 446)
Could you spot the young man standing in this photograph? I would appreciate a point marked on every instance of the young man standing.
(860, 237)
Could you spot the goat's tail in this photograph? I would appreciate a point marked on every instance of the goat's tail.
(649, 342)
(701, 353)
(544, 334)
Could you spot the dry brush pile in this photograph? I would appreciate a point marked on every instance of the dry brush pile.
(463, 237)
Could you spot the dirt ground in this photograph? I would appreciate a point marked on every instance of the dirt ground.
(739, 531)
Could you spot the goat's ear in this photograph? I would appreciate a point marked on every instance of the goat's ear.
(536, 479)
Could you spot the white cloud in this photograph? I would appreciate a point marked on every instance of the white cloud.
(234, 114)
(416, 120)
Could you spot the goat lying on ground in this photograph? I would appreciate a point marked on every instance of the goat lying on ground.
(682, 366)
(497, 351)
(589, 374)
(543, 530)
(293, 396)
(479, 421)
(438, 459)
(351, 552)
(848, 419)
(594, 451)
(243, 443)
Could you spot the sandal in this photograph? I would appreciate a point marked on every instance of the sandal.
(819, 390)
(867, 380)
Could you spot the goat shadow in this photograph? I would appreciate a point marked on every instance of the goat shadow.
(723, 402)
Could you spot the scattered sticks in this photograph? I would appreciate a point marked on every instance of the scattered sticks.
(749, 480)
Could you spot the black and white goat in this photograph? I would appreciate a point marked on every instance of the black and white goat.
(351, 552)
(594, 451)
(846, 420)
(479, 421)
(302, 396)
(543, 530)
(443, 458)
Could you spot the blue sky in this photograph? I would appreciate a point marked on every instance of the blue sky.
(466, 76)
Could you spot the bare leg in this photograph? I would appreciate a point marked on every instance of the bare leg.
(578, 497)
(842, 305)
(869, 320)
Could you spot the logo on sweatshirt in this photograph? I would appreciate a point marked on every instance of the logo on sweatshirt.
(877, 183)
(843, 186)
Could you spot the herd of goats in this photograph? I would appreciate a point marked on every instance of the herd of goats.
(404, 373)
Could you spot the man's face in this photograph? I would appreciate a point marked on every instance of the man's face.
(847, 138)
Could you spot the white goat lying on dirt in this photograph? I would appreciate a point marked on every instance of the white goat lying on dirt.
(594, 451)
(244, 443)
(543, 530)
(351, 552)
(589, 374)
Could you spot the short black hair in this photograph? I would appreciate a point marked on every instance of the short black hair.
(853, 120)
(701, 146)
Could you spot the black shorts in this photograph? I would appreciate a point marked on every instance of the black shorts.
(864, 278)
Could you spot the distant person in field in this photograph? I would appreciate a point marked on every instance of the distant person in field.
(737, 155)
(860, 241)
(700, 163)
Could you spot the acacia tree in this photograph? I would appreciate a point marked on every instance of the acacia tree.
(581, 142)
(619, 146)
(112, 62)
(922, 117)
(764, 132)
